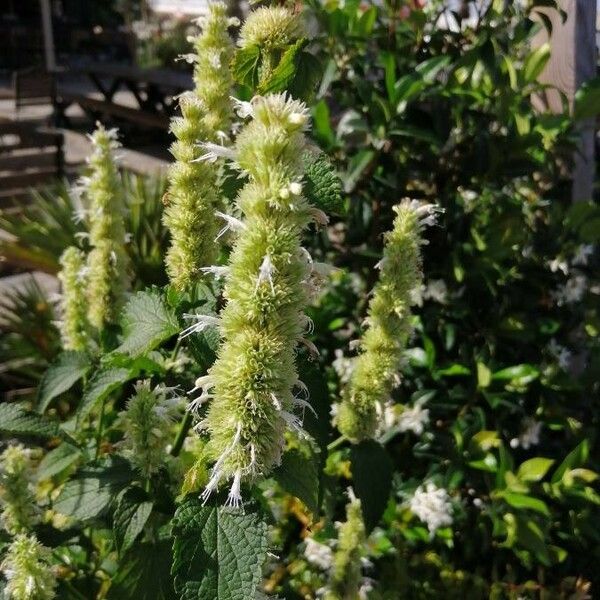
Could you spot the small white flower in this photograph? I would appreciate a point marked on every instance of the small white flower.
(266, 272)
(231, 223)
(530, 436)
(436, 290)
(572, 291)
(243, 109)
(559, 264)
(218, 271)
(318, 554)
(343, 366)
(212, 152)
(414, 419)
(295, 188)
(583, 253)
(202, 322)
(432, 505)
(562, 354)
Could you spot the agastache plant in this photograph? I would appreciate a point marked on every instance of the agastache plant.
(147, 422)
(107, 262)
(19, 511)
(271, 29)
(345, 578)
(205, 121)
(254, 383)
(73, 279)
(376, 368)
(27, 569)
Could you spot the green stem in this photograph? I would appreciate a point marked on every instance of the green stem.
(337, 443)
(186, 423)
(176, 349)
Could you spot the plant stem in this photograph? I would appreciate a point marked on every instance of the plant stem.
(183, 430)
(337, 443)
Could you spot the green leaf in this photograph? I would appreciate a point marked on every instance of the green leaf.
(15, 420)
(90, 492)
(147, 322)
(61, 376)
(288, 75)
(575, 459)
(246, 66)
(521, 374)
(587, 100)
(484, 376)
(534, 469)
(430, 68)
(298, 476)
(104, 382)
(535, 62)
(218, 552)
(358, 163)
(144, 574)
(523, 501)
(372, 477)
(57, 460)
(130, 516)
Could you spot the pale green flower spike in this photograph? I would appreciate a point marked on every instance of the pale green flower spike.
(147, 422)
(17, 500)
(206, 117)
(107, 262)
(345, 579)
(376, 368)
(268, 285)
(272, 29)
(73, 278)
(28, 571)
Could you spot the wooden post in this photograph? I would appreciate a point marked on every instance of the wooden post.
(48, 36)
(573, 62)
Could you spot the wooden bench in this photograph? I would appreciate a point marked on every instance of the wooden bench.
(28, 157)
(33, 86)
(102, 110)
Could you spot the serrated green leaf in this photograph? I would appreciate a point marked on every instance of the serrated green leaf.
(102, 385)
(15, 420)
(147, 322)
(144, 574)
(69, 368)
(246, 66)
(130, 516)
(218, 552)
(534, 469)
(372, 477)
(297, 73)
(298, 475)
(90, 492)
(57, 460)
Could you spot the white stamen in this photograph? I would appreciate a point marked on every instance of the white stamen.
(275, 401)
(197, 403)
(304, 404)
(230, 223)
(202, 322)
(188, 58)
(217, 271)
(294, 422)
(265, 273)
(217, 472)
(214, 152)
(243, 109)
(234, 499)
